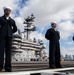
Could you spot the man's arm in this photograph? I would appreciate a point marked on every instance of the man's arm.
(58, 34)
(47, 35)
(0, 24)
(14, 27)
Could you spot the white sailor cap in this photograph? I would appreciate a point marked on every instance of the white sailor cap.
(7, 7)
(53, 22)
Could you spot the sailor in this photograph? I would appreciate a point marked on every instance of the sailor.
(7, 28)
(53, 35)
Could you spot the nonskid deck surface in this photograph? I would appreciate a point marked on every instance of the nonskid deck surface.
(61, 71)
(39, 68)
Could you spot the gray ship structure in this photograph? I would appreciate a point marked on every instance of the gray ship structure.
(26, 49)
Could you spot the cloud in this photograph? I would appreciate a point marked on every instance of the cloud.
(10, 3)
(69, 43)
(66, 29)
(19, 23)
(47, 11)
(69, 51)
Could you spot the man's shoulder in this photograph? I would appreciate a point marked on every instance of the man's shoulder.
(49, 29)
(12, 19)
(1, 17)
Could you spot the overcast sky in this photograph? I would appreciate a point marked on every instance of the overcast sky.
(46, 11)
